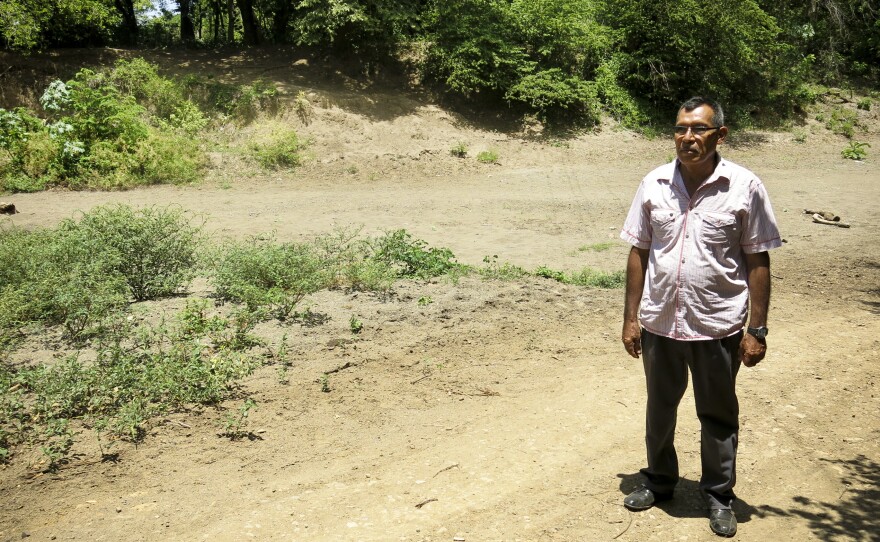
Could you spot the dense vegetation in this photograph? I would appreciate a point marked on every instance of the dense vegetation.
(569, 59)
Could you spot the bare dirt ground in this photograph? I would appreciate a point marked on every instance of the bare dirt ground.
(501, 411)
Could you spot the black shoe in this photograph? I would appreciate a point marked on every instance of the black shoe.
(722, 522)
(643, 498)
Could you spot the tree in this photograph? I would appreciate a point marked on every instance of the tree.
(248, 22)
(187, 29)
(129, 30)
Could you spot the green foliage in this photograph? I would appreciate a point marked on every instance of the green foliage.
(155, 249)
(855, 150)
(459, 150)
(488, 157)
(492, 269)
(268, 276)
(412, 257)
(729, 50)
(843, 121)
(98, 135)
(234, 423)
(137, 375)
(355, 324)
(350, 263)
(586, 277)
(864, 104)
(281, 150)
(556, 96)
(56, 277)
(241, 103)
(597, 247)
(33, 24)
(372, 29)
(82, 272)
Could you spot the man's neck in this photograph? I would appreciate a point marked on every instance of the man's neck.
(694, 175)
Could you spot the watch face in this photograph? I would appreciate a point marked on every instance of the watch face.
(758, 332)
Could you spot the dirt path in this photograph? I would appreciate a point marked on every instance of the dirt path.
(500, 410)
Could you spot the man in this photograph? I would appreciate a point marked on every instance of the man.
(700, 228)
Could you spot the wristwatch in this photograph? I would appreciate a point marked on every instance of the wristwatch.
(758, 332)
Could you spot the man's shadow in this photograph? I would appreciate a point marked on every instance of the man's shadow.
(688, 501)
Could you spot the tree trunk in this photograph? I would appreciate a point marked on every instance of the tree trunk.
(280, 20)
(230, 28)
(248, 22)
(129, 21)
(187, 31)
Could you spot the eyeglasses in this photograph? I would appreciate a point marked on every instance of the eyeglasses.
(696, 130)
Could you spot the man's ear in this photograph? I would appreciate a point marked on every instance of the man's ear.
(722, 134)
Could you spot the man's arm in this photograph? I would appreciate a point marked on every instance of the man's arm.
(636, 267)
(752, 350)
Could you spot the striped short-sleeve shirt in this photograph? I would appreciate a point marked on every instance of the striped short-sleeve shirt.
(696, 284)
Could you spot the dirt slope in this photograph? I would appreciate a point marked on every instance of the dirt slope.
(500, 410)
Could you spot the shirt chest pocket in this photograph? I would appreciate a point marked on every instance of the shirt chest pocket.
(720, 229)
(663, 223)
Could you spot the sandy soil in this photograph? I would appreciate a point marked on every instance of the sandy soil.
(501, 410)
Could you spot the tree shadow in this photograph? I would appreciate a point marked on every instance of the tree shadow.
(873, 292)
(741, 140)
(689, 501)
(855, 511)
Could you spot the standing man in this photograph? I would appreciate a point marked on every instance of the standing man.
(700, 228)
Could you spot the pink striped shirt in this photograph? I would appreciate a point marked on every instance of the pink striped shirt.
(696, 285)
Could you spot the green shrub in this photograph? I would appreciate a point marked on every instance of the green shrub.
(842, 121)
(459, 150)
(155, 250)
(488, 157)
(110, 129)
(855, 150)
(555, 96)
(494, 270)
(281, 150)
(412, 257)
(137, 375)
(268, 276)
(585, 277)
(58, 277)
(239, 102)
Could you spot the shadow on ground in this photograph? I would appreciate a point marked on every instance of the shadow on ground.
(852, 514)
(688, 501)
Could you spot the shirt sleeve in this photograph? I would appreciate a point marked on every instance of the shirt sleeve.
(637, 227)
(760, 232)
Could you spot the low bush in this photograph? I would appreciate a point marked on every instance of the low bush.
(280, 150)
(155, 249)
(111, 129)
(138, 374)
(268, 276)
(412, 257)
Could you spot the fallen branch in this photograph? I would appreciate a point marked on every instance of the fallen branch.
(450, 467)
(423, 503)
(347, 365)
(625, 530)
(820, 220)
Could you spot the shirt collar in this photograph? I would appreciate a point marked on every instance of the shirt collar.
(722, 172)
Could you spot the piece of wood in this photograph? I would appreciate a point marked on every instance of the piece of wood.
(820, 220)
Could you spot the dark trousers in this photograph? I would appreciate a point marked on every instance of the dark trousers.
(713, 365)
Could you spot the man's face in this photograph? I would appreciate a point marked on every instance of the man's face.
(693, 148)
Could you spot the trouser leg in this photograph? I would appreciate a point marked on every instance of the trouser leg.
(714, 366)
(666, 378)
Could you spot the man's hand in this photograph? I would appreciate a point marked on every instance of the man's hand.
(751, 350)
(632, 338)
